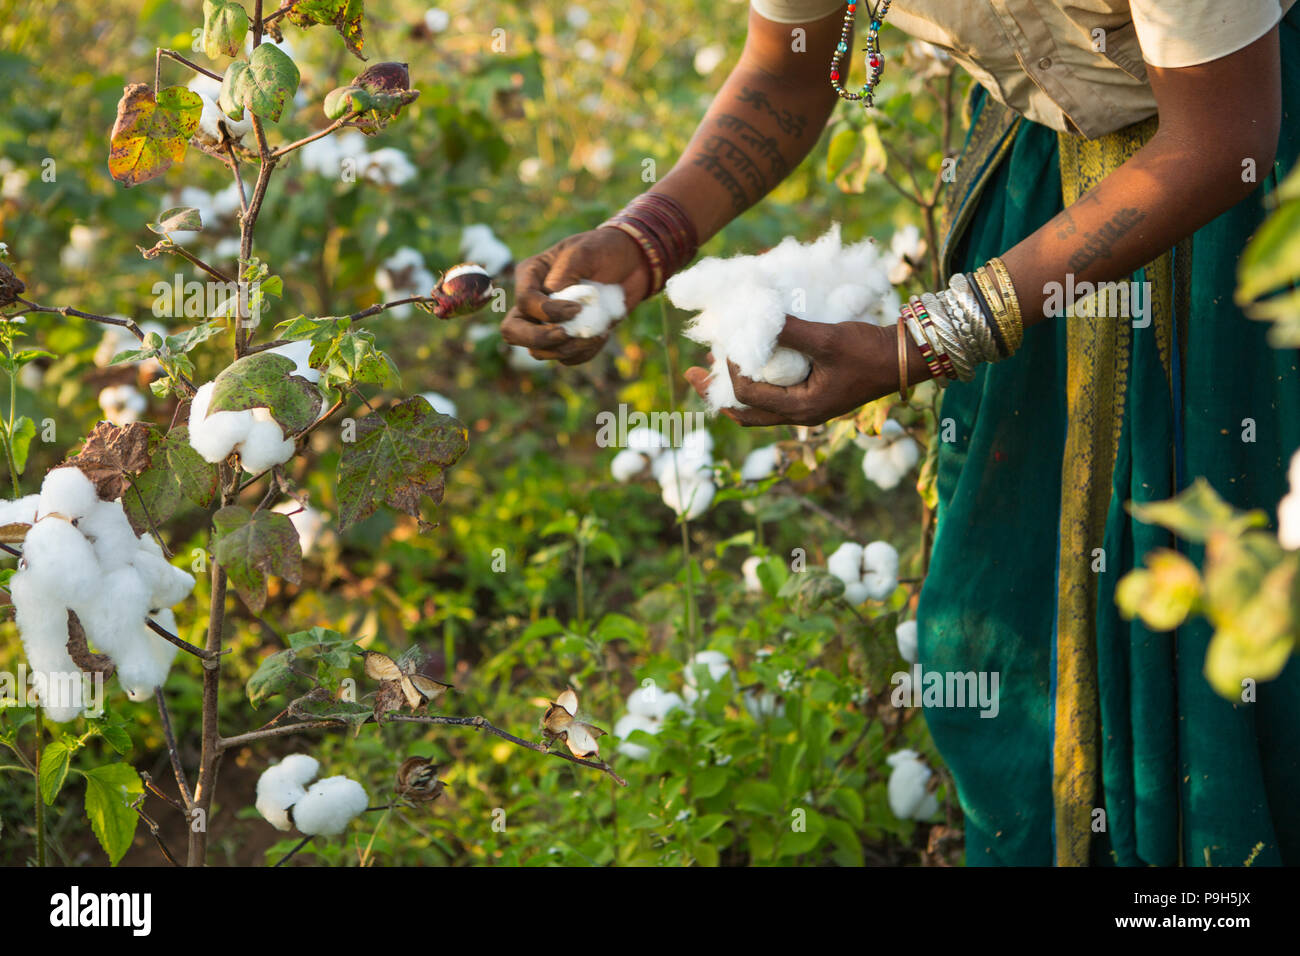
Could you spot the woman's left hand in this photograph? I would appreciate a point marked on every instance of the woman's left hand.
(852, 363)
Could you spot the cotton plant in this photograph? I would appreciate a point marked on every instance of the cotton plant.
(761, 463)
(869, 573)
(909, 794)
(647, 709)
(81, 554)
(714, 665)
(905, 634)
(325, 808)
(122, 404)
(253, 434)
(889, 456)
(741, 304)
(749, 574)
(685, 475)
(644, 446)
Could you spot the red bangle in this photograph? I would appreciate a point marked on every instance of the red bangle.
(662, 230)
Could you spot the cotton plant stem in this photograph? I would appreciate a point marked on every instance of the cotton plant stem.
(670, 369)
(177, 768)
(36, 783)
(290, 855)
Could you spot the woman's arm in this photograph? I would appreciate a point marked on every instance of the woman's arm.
(768, 115)
(1213, 118)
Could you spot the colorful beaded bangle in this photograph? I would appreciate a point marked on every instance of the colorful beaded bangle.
(923, 342)
(875, 59)
(649, 249)
(936, 341)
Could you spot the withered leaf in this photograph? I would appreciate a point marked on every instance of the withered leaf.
(111, 454)
(80, 652)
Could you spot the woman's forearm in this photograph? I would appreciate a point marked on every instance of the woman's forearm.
(1213, 120)
(766, 118)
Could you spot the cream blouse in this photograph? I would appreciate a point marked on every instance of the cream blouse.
(1073, 65)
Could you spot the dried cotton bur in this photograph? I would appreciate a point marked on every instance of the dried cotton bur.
(80, 554)
(399, 682)
(417, 781)
(742, 303)
(560, 722)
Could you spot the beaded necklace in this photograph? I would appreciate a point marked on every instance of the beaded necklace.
(875, 61)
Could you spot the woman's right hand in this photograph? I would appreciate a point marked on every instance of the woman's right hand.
(601, 255)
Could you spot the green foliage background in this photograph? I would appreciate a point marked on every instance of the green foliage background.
(719, 789)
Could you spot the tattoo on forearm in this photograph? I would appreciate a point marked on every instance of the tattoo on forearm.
(1100, 244)
(790, 123)
(734, 154)
(766, 147)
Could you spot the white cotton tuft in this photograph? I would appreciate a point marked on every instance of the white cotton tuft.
(441, 403)
(306, 520)
(329, 806)
(67, 491)
(627, 464)
(602, 305)
(647, 441)
(762, 705)
(905, 634)
(889, 455)
(750, 572)
(869, 573)
(300, 354)
(653, 703)
(629, 724)
(122, 404)
(1288, 509)
(43, 629)
(283, 785)
(760, 463)
(742, 303)
(149, 665)
(908, 797)
(167, 584)
(60, 561)
(480, 245)
(19, 510)
(845, 562)
(110, 533)
(714, 663)
(215, 436)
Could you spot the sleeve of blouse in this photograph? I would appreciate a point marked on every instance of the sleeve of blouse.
(1177, 33)
(796, 11)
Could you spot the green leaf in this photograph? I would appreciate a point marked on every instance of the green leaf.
(343, 100)
(1272, 257)
(261, 85)
(273, 675)
(110, 791)
(225, 25)
(813, 587)
(21, 441)
(55, 759)
(344, 15)
(117, 737)
(840, 152)
(266, 380)
(177, 219)
(1163, 594)
(324, 708)
(324, 329)
(1197, 512)
(398, 457)
(249, 546)
(150, 135)
(176, 474)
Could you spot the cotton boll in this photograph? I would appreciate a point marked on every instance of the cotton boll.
(479, 244)
(436, 20)
(306, 520)
(122, 404)
(845, 562)
(786, 367)
(110, 533)
(908, 797)
(750, 571)
(113, 614)
(850, 302)
(715, 663)
(905, 634)
(265, 447)
(389, 167)
(283, 785)
(151, 661)
(880, 569)
(760, 463)
(627, 464)
(855, 592)
(698, 441)
(441, 403)
(691, 499)
(626, 726)
(762, 705)
(652, 702)
(60, 561)
(647, 441)
(43, 629)
(167, 584)
(300, 354)
(19, 510)
(603, 304)
(68, 492)
(215, 436)
(889, 455)
(329, 806)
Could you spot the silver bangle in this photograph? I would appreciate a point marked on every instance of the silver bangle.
(941, 316)
(984, 348)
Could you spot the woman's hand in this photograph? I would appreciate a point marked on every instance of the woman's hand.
(852, 363)
(601, 255)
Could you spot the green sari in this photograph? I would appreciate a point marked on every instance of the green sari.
(1109, 745)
